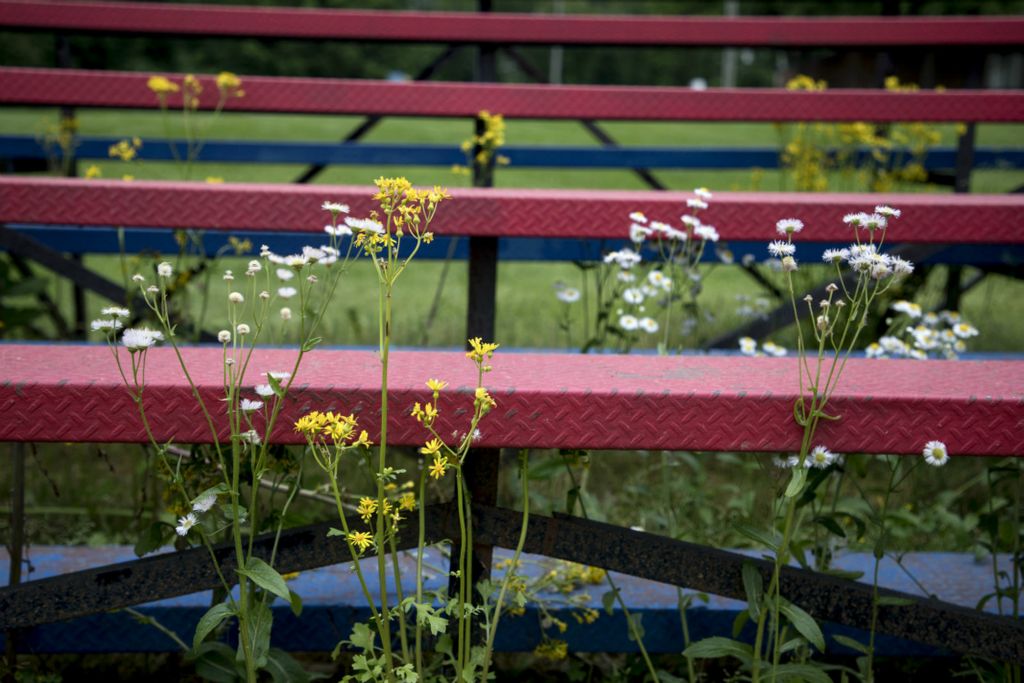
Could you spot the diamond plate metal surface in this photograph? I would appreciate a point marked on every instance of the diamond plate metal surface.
(84, 88)
(467, 27)
(73, 393)
(948, 218)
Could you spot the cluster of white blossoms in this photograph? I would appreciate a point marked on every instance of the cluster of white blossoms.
(680, 247)
(931, 335)
(202, 504)
(748, 347)
(935, 454)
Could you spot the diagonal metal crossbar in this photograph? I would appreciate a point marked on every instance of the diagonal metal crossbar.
(639, 554)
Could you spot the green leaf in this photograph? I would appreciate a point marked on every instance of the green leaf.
(296, 602)
(717, 646)
(753, 586)
(334, 532)
(572, 496)
(211, 620)
(800, 672)
(311, 344)
(851, 643)
(831, 525)
(152, 538)
(283, 668)
(805, 624)
(257, 630)
(890, 601)
(608, 600)
(796, 482)
(266, 577)
(275, 384)
(215, 662)
(770, 540)
(739, 622)
(362, 637)
(636, 628)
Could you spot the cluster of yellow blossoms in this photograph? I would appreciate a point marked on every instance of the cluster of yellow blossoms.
(228, 84)
(340, 429)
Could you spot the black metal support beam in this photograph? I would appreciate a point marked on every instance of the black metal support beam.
(370, 122)
(656, 558)
(828, 598)
(592, 126)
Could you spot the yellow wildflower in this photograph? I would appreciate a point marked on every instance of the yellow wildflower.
(438, 468)
(480, 349)
(432, 447)
(484, 399)
(361, 540)
(436, 385)
(407, 501)
(161, 85)
(93, 172)
(363, 440)
(367, 506)
(552, 649)
(311, 423)
(228, 81)
(214, 180)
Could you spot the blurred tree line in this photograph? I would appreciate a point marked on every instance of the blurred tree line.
(644, 66)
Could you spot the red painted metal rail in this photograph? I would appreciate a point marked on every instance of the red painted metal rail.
(119, 89)
(74, 393)
(463, 27)
(927, 218)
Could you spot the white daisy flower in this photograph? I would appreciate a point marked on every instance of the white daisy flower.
(656, 278)
(638, 233)
(706, 232)
(901, 266)
(624, 258)
(633, 296)
(334, 207)
(115, 311)
(648, 325)
(874, 221)
(788, 226)
(264, 390)
(165, 269)
(936, 453)
(242, 329)
(228, 277)
(286, 314)
(236, 297)
(247, 406)
(569, 295)
(185, 523)
(364, 224)
(703, 193)
(250, 437)
(628, 322)
(748, 346)
(773, 349)
(821, 457)
(224, 337)
(338, 230)
(106, 325)
(887, 211)
(778, 248)
(637, 217)
(835, 255)
(287, 292)
(204, 502)
(279, 376)
(138, 278)
(284, 274)
(625, 276)
(140, 339)
(255, 266)
(789, 264)
(965, 331)
(691, 221)
(696, 204)
(907, 307)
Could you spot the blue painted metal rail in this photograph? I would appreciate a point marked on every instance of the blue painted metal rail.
(333, 602)
(240, 151)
